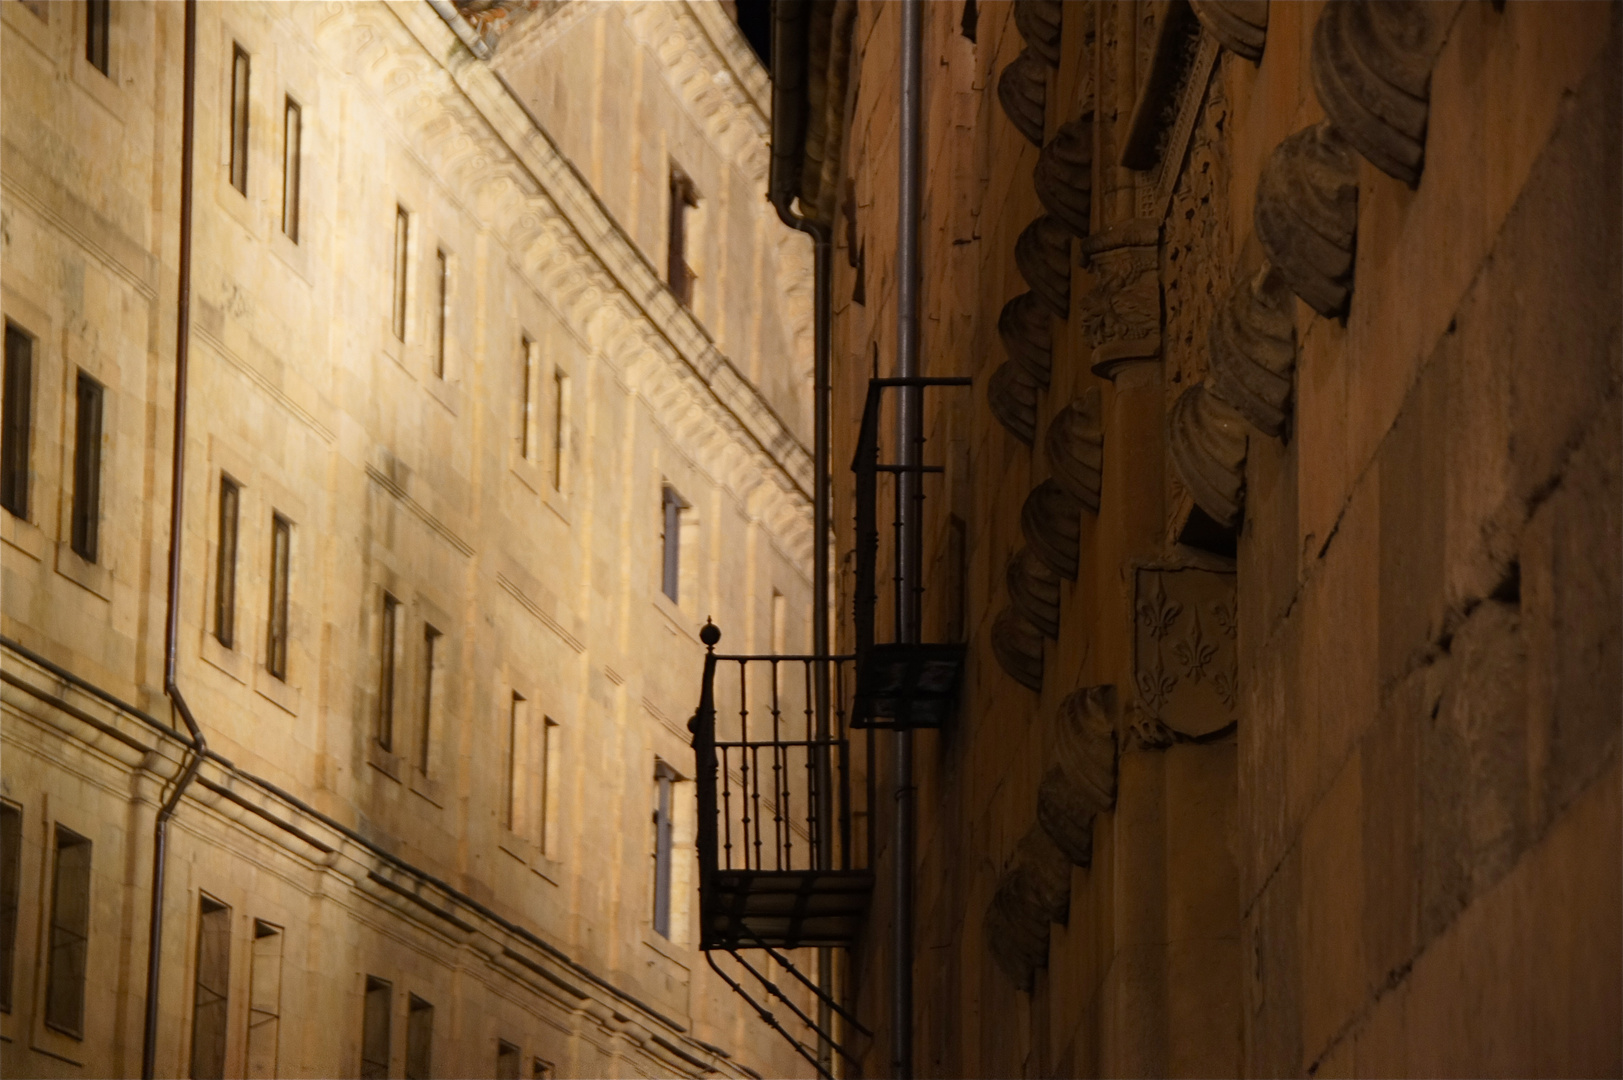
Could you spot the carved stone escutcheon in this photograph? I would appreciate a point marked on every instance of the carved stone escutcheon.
(1253, 350)
(1051, 520)
(1039, 24)
(1207, 440)
(1240, 26)
(1075, 447)
(1372, 73)
(1064, 175)
(1032, 893)
(1018, 646)
(1185, 667)
(1034, 591)
(1082, 781)
(1022, 90)
(1011, 394)
(1121, 314)
(1023, 326)
(1306, 215)
(1043, 255)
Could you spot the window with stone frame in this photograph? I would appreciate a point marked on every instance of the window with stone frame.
(292, 147)
(99, 33)
(281, 571)
(684, 197)
(11, 865)
(18, 430)
(211, 989)
(419, 1039)
(375, 1017)
(239, 118)
(265, 1000)
(69, 943)
(85, 527)
(225, 562)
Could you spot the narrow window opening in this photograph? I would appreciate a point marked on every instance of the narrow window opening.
(442, 300)
(507, 1060)
(663, 775)
(540, 1069)
(386, 669)
(281, 557)
(970, 17)
(402, 245)
(211, 992)
(526, 395)
(18, 422)
(86, 526)
(419, 1039)
(70, 934)
(292, 137)
(859, 288)
(547, 834)
(513, 815)
(672, 507)
(239, 118)
(431, 663)
(375, 1029)
(98, 33)
(684, 197)
(11, 865)
(560, 427)
(265, 1000)
(225, 568)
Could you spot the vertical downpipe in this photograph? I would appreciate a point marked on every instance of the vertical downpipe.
(909, 424)
(171, 639)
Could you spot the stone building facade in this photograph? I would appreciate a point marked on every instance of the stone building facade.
(466, 470)
(1281, 523)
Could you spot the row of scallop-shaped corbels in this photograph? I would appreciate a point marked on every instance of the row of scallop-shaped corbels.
(1022, 89)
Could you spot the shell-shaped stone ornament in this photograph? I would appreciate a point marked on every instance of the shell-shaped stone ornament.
(1240, 26)
(1207, 440)
(1075, 447)
(1253, 350)
(1043, 255)
(1032, 893)
(1306, 216)
(1063, 176)
(1011, 394)
(1024, 328)
(1034, 591)
(1022, 90)
(1081, 783)
(1018, 646)
(1039, 24)
(1051, 520)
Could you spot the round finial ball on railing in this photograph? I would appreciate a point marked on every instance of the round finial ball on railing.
(710, 633)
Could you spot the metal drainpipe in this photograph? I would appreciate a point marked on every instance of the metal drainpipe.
(909, 424)
(160, 827)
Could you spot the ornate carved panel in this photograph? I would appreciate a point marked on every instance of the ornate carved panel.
(1064, 175)
(1051, 520)
(1022, 90)
(1011, 393)
(1018, 646)
(1039, 24)
(1043, 255)
(1372, 73)
(1240, 26)
(1207, 440)
(1082, 781)
(1307, 215)
(1032, 893)
(1253, 350)
(1185, 624)
(1034, 591)
(1023, 325)
(1121, 314)
(1075, 447)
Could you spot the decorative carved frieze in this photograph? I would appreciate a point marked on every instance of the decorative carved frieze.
(1032, 893)
(1011, 393)
(1121, 314)
(1082, 781)
(1051, 520)
(1023, 325)
(1075, 447)
(1034, 591)
(1207, 440)
(1240, 26)
(1372, 73)
(1253, 350)
(1064, 175)
(1185, 669)
(1022, 90)
(1018, 646)
(1043, 255)
(1039, 24)
(1306, 215)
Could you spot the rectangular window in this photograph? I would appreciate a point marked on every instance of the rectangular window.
(18, 422)
(507, 1060)
(560, 427)
(402, 247)
(375, 1029)
(239, 118)
(540, 1069)
(431, 660)
(225, 564)
(514, 816)
(419, 1039)
(11, 865)
(442, 301)
(387, 640)
(526, 395)
(86, 526)
(210, 1000)
(281, 559)
(265, 1000)
(663, 775)
(98, 33)
(672, 507)
(548, 801)
(683, 198)
(292, 138)
(70, 934)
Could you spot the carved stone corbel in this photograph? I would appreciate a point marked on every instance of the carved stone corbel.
(1022, 90)
(1011, 393)
(1018, 646)
(1121, 314)
(1253, 350)
(1043, 255)
(1039, 24)
(1082, 781)
(1027, 336)
(1240, 26)
(1034, 591)
(1064, 175)
(1051, 520)
(1207, 440)
(1032, 893)
(1372, 73)
(1306, 215)
(1075, 447)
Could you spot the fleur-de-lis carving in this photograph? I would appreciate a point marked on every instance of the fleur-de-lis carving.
(1195, 652)
(1227, 618)
(1154, 687)
(1157, 613)
(1227, 684)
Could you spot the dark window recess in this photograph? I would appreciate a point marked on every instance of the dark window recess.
(98, 33)
(507, 1060)
(442, 300)
(402, 245)
(419, 1039)
(281, 558)
(292, 138)
(18, 421)
(211, 997)
(239, 118)
(540, 1069)
(970, 17)
(265, 999)
(11, 865)
(560, 418)
(673, 505)
(70, 934)
(859, 288)
(663, 776)
(225, 565)
(387, 640)
(375, 1029)
(526, 394)
(684, 197)
(425, 739)
(86, 525)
